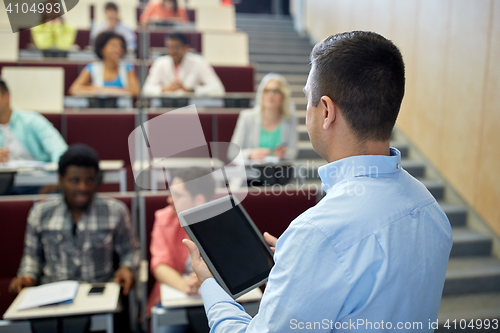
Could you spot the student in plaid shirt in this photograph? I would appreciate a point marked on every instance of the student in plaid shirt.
(74, 235)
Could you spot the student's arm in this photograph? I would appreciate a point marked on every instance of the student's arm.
(240, 137)
(133, 83)
(154, 82)
(166, 274)
(125, 242)
(211, 85)
(82, 84)
(50, 139)
(33, 259)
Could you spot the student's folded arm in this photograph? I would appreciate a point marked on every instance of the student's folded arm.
(82, 84)
(125, 242)
(291, 149)
(299, 288)
(33, 259)
(153, 84)
(133, 83)
(211, 84)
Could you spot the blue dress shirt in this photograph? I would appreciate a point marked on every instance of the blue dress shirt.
(370, 256)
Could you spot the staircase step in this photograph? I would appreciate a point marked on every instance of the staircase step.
(436, 188)
(283, 68)
(468, 307)
(277, 50)
(291, 78)
(279, 59)
(472, 275)
(470, 243)
(285, 43)
(455, 213)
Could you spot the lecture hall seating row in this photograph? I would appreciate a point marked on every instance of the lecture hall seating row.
(156, 38)
(271, 211)
(234, 78)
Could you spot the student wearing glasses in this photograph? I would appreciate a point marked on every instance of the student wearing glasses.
(270, 128)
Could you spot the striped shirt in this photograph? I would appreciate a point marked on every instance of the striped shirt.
(55, 251)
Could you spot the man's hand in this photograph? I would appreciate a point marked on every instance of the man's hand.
(125, 277)
(19, 282)
(199, 266)
(259, 153)
(4, 155)
(271, 240)
(174, 86)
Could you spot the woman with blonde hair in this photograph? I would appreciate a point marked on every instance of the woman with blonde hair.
(270, 128)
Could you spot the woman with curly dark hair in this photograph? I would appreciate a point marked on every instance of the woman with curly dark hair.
(110, 74)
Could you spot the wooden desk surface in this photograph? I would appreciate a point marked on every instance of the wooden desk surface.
(83, 304)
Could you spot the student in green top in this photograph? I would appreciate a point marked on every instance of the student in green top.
(270, 127)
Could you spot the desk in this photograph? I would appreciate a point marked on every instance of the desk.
(101, 309)
(113, 173)
(177, 315)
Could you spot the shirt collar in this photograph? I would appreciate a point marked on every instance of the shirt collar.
(359, 166)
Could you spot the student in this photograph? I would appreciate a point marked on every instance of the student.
(26, 135)
(113, 24)
(74, 235)
(166, 10)
(53, 33)
(182, 71)
(111, 75)
(270, 128)
(375, 248)
(170, 262)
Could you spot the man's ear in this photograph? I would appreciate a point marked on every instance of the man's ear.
(329, 111)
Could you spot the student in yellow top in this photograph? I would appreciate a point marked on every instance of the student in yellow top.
(53, 33)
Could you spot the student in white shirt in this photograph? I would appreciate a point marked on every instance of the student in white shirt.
(182, 71)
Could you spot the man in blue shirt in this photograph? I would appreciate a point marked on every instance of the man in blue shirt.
(372, 254)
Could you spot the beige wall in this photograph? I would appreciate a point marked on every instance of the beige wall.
(451, 109)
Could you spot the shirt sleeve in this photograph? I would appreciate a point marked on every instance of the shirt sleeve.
(50, 139)
(33, 258)
(306, 284)
(125, 242)
(210, 85)
(160, 244)
(154, 82)
(291, 149)
(238, 138)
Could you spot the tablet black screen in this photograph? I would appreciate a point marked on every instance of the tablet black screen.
(237, 253)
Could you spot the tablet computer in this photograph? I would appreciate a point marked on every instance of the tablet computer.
(230, 244)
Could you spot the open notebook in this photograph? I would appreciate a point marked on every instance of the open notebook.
(173, 298)
(49, 294)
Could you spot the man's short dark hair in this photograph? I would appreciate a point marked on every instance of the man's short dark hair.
(364, 74)
(103, 38)
(178, 36)
(3, 87)
(111, 6)
(204, 185)
(79, 155)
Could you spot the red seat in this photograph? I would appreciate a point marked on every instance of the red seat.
(107, 134)
(55, 119)
(236, 78)
(13, 225)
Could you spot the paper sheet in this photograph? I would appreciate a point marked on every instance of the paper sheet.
(51, 293)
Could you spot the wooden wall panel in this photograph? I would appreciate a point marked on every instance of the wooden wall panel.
(432, 54)
(488, 191)
(404, 35)
(463, 91)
